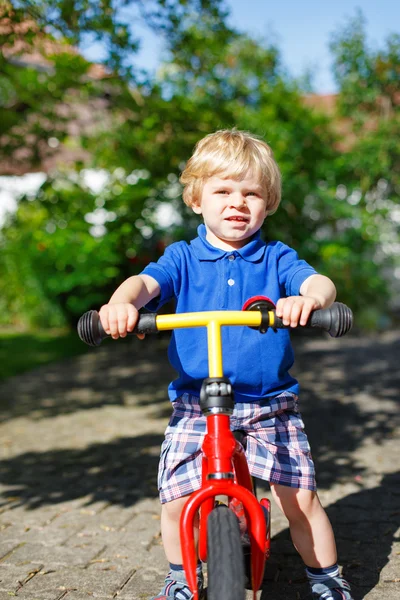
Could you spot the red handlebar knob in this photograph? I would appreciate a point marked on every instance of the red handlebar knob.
(259, 303)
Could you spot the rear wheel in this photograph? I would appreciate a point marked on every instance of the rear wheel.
(225, 565)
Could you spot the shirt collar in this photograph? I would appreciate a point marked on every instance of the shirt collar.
(251, 252)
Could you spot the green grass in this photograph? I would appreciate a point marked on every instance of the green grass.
(20, 352)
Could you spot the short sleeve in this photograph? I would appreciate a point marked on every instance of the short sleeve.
(167, 272)
(292, 271)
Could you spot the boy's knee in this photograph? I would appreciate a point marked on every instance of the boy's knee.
(173, 510)
(296, 503)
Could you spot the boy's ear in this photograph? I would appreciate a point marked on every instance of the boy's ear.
(196, 208)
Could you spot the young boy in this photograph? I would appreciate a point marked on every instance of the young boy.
(232, 180)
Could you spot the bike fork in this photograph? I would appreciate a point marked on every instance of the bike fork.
(257, 529)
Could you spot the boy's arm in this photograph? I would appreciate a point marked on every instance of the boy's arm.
(120, 315)
(316, 292)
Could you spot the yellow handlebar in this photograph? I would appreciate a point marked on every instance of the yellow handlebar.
(213, 321)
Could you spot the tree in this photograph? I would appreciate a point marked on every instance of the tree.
(367, 77)
(44, 81)
(84, 243)
(370, 169)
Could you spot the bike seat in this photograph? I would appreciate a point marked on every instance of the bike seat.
(240, 436)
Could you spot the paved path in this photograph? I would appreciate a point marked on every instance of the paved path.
(80, 442)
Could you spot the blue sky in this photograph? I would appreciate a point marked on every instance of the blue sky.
(301, 29)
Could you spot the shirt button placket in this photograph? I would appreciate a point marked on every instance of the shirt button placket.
(231, 259)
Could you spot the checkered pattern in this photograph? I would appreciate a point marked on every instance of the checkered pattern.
(277, 446)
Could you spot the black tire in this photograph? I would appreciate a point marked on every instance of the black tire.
(225, 565)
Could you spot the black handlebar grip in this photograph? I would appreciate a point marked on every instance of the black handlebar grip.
(147, 323)
(337, 320)
(90, 329)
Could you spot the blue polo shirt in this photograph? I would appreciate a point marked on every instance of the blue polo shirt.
(200, 277)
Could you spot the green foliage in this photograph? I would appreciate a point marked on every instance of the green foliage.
(66, 249)
(111, 23)
(35, 97)
(55, 256)
(368, 78)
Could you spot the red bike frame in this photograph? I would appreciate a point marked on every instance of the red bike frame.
(220, 451)
(225, 470)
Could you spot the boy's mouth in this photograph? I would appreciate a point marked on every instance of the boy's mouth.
(236, 218)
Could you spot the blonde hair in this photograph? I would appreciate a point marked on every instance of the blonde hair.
(233, 154)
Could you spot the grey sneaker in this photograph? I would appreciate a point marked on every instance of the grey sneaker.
(176, 587)
(331, 588)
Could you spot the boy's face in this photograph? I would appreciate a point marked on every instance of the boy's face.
(232, 210)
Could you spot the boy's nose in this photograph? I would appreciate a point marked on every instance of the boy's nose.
(237, 200)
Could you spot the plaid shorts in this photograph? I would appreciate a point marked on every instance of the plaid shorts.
(277, 447)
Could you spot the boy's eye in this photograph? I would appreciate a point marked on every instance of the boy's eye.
(222, 192)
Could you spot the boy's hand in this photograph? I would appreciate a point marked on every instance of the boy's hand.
(296, 310)
(119, 319)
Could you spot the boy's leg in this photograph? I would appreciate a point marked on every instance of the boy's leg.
(175, 583)
(310, 527)
(313, 538)
(179, 473)
(278, 451)
(170, 519)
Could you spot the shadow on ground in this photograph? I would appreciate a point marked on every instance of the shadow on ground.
(119, 373)
(350, 397)
(365, 525)
(120, 472)
(349, 394)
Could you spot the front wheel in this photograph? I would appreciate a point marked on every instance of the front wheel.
(225, 565)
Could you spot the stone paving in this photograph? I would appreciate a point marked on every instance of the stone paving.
(79, 513)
